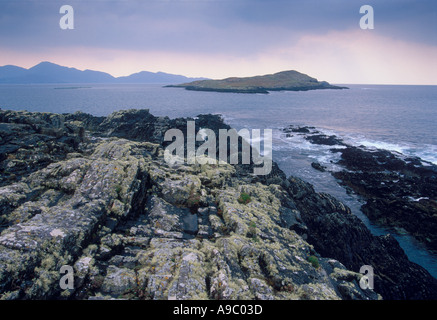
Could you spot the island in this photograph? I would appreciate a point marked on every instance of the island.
(290, 80)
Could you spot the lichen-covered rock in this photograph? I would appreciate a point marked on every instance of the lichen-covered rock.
(43, 238)
(251, 255)
(134, 227)
(31, 141)
(118, 281)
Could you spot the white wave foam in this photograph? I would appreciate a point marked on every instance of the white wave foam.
(296, 141)
(426, 152)
(382, 145)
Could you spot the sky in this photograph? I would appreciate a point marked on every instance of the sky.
(224, 38)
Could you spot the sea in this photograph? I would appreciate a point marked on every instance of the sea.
(399, 118)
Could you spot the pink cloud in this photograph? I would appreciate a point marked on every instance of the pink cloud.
(354, 56)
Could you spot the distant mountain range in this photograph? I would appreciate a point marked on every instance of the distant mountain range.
(47, 72)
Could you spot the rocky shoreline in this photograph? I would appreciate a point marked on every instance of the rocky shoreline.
(95, 193)
(400, 192)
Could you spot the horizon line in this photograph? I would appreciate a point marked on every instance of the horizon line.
(206, 78)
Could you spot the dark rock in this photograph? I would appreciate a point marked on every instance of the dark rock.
(298, 129)
(318, 166)
(398, 193)
(324, 139)
(419, 217)
(335, 232)
(190, 224)
(31, 141)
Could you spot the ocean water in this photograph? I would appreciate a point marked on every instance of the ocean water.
(397, 118)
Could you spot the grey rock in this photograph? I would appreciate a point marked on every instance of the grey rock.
(134, 227)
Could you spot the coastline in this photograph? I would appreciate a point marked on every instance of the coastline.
(399, 191)
(84, 151)
(255, 90)
(289, 80)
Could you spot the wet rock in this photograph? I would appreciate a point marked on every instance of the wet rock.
(398, 193)
(128, 124)
(336, 233)
(318, 166)
(324, 139)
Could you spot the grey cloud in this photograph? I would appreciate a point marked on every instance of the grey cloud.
(237, 27)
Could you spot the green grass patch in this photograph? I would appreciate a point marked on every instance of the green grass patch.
(314, 261)
(244, 198)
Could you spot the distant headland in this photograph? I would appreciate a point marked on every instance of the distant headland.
(290, 80)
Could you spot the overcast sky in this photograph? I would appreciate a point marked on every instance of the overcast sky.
(223, 38)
